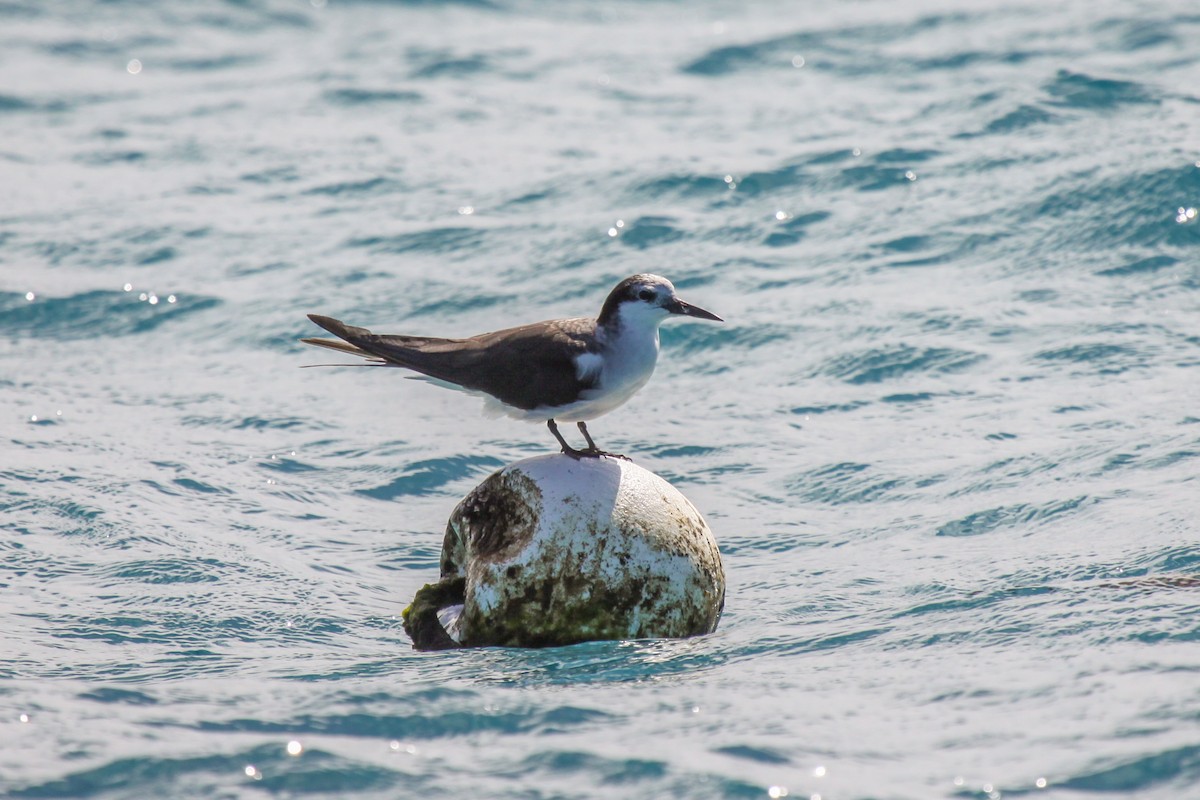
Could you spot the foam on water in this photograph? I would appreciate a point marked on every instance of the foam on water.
(947, 437)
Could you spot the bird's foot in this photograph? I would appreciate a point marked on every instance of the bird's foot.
(591, 452)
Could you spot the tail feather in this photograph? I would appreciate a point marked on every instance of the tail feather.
(445, 360)
(342, 347)
(337, 327)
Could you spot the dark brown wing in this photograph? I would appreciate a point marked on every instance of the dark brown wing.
(525, 367)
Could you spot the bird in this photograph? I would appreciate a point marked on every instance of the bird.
(568, 370)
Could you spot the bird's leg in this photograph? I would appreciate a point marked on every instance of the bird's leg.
(566, 448)
(583, 429)
(592, 450)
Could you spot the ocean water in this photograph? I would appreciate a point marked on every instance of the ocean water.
(948, 436)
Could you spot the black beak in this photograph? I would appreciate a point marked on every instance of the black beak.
(677, 306)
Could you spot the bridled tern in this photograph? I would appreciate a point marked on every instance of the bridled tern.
(572, 370)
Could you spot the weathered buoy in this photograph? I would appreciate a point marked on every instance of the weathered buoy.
(553, 551)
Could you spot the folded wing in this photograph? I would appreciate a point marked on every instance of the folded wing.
(527, 367)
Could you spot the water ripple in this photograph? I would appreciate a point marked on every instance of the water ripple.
(1019, 515)
(421, 477)
(645, 232)
(433, 240)
(1084, 92)
(878, 364)
(1178, 766)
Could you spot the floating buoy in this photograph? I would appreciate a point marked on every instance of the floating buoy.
(555, 550)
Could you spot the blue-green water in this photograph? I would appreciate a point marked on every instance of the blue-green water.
(948, 437)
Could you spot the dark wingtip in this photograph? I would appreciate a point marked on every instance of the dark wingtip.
(328, 323)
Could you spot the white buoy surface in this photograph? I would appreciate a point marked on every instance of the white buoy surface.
(554, 550)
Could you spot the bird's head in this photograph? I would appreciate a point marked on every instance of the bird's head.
(645, 301)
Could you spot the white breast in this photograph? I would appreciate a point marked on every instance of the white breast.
(624, 369)
(620, 368)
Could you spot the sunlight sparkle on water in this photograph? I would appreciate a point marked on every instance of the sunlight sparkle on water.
(777, 791)
(797, 61)
(294, 748)
(30, 296)
(134, 66)
(252, 772)
(24, 718)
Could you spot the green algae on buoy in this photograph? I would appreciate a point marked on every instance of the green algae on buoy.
(553, 551)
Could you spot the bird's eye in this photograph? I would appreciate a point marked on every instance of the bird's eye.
(646, 294)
